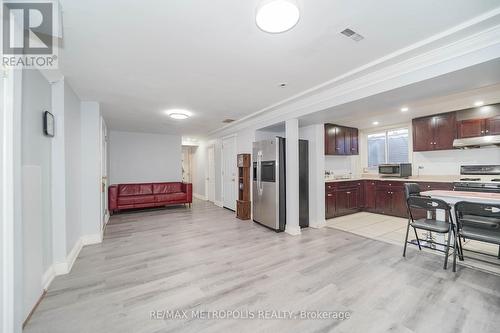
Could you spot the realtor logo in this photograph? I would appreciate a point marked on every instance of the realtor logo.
(28, 38)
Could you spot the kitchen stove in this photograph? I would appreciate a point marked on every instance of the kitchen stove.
(481, 178)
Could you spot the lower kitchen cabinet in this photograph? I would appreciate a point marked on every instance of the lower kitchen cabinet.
(342, 198)
(376, 196)
(330, 205)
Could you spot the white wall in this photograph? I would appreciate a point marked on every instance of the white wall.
(142, 157)
(36, 186)
(91, 169)
(342, 165)
(73, 169)
(447, 162)
(441, 162)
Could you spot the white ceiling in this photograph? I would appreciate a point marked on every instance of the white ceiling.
(454, 91)
(139, 58)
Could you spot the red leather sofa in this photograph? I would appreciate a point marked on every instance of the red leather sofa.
(128, 196)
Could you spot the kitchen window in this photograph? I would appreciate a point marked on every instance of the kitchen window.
(389, 146)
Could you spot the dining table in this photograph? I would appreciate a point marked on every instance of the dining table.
(451, 198)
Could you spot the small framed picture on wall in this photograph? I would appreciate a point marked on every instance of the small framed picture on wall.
(48, 124)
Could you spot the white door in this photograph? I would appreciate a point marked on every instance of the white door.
(229, 173)
(211, 174)
(186, 164)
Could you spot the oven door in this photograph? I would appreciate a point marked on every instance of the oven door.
(388, 169)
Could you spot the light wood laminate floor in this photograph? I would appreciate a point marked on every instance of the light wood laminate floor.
(205, 259)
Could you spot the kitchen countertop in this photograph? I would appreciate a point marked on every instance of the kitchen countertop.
(426, 179)
(455, 196)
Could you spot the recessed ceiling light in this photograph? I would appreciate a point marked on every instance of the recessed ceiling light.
(178, 114)
(275, 16)
(479, 103)
(375, 123)
(404, 109)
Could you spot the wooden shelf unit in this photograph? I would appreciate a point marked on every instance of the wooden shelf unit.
(243, 203)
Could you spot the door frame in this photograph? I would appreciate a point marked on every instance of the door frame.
(228, 137)
(210, 185)
(104, 174)
(10, 202)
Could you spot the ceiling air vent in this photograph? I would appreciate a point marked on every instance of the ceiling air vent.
(227, 121)
(352, 35)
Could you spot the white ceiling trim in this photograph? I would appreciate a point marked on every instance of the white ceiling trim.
(463, 46)
(469, 51)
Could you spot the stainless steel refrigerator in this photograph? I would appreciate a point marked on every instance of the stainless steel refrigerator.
(269, 183)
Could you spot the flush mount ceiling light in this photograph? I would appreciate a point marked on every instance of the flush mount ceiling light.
(375, 123)
(479, 103)
(404, 109)
(178, 114)
(275, 16)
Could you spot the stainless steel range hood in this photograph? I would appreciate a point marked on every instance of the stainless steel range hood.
(480, 141)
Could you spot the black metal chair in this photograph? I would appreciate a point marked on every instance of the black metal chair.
(477, 221)
(411, 189)
(428, 224)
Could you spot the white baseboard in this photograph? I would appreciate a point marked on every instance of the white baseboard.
(318, 224)
(199, 196)
(219, 204)
(91, 239)
(294, 231)
(48, 277)
(61, 268)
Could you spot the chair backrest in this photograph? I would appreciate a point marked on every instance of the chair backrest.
(478, 215)
(411, 189)
(428, 204)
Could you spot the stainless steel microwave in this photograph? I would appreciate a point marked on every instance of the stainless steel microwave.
(402, 170)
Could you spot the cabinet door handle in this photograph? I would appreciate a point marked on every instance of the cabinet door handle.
(329, 194)
(348, 192)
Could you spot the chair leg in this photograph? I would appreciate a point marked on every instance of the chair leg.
(418, 240)
(406, 238)
(447, 249)
(455, 251)
(460, 249)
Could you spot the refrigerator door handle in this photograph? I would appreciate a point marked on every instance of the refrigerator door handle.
(259, 172)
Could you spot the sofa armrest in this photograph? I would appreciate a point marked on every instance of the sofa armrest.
(188, 189)
(112, 198)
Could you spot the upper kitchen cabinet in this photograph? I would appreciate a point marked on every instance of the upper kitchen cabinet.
(472, 128)
(492, 126)
(434, 132)
(341, 140)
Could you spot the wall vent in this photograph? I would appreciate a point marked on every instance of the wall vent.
(352, 35)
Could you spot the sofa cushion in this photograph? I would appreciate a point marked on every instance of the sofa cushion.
(136, 199)
(165, 188)
(179, 196)
(134, 189)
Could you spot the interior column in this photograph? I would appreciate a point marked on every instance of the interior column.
(292, 177)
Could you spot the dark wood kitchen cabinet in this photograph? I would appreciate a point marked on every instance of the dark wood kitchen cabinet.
(492, 126)
(341, 140)
(342, 198)
(330, 204)
(472, 128)
(369, 195)
(434, 133)
(376, 196)
(390, 199)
